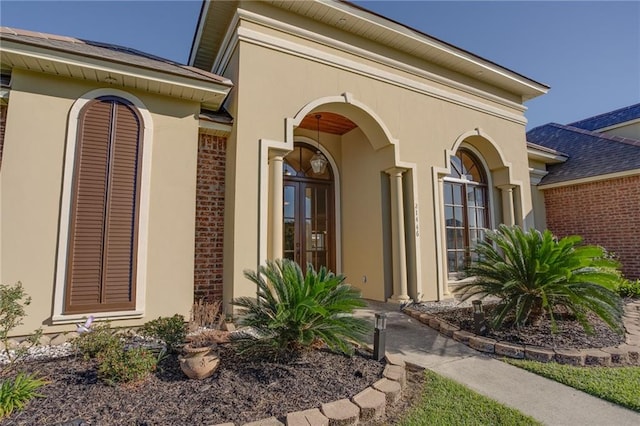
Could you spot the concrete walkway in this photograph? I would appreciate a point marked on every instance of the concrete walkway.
(546, 400)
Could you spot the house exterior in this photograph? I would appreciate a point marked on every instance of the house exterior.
(417, 146)
(586, 181)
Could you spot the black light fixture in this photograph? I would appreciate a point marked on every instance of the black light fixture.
(479, 323)
(380, 337)
(318, 162)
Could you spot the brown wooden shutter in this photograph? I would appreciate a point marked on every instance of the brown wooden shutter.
(103, 230)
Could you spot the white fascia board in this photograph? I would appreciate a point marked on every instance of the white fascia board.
(212, 126)
(209, 90)
(616, 126)
(546, 157)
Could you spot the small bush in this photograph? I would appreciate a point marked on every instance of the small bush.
(533, 273)
(14, 394)
(171, 330)
(628, 288)
(118, 365)
(294, 311)
(100, 339)
(13, 299)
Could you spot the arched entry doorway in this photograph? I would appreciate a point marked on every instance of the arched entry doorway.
(308, 210)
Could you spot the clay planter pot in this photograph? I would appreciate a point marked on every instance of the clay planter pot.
(199, 363)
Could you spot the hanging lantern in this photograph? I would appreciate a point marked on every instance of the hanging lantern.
(318, 161)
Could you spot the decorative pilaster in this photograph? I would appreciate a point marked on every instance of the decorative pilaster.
(275, 202)
(397, 236)
(508, 213)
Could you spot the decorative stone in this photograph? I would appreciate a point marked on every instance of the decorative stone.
(341, 413)
(618, 356)
(536, 353)
(414, 313)
(397, 373)
(482, 344)
(372, 404)
(424, 318)
(596, 357)
(434, 323)
(311, 417)
(391, 389)
(569, 356)
(462, 336)
(228, 326)
(271, 421)
(633, 353)
(60, 339)
(448, 329)
(394, 359)
(44, 340)
(510, 350)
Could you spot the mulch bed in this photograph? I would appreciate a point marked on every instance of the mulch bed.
(569, 334)
(240, 391)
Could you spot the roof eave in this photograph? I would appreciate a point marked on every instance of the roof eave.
(116, 73)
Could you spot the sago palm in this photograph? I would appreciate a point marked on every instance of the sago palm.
(293, 310)
(532, 273)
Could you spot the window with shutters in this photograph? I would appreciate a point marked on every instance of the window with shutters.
(103, 228)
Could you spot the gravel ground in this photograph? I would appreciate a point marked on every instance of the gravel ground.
(240, 391)
(570, 333)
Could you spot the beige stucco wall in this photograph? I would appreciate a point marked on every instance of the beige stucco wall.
(273, 85)
(30, 194)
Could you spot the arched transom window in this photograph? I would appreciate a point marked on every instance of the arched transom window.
(466, 209)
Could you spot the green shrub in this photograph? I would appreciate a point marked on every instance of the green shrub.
(118, 365)
(293, 311)
(13, 299)
(628, 288)
(14, 394)
(100, 339)
(533, 273)
(171, 330)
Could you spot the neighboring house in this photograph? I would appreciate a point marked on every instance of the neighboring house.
(351, 141)
(587, 181)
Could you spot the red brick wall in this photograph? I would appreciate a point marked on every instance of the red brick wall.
(3, 122)
(209, 217)
(606, 213)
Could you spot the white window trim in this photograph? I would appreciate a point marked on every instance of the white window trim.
(58, 316)
(449, 282)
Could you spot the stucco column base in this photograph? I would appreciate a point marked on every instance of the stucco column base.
(399, 299)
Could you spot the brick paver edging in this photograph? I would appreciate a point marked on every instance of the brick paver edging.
(368, 405)
(625, 353)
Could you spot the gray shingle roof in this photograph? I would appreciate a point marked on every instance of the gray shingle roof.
(110, 52)
(590, 153)
(609, 118)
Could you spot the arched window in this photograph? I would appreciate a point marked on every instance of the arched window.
(103, 229)
(466, 209)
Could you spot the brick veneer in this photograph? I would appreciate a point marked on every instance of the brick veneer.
(209, 217)
(3, 122)
(606, 213)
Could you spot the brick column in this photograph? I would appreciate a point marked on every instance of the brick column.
(209, 232)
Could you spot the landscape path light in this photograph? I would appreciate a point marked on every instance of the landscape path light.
(479, 323)
(380, 337)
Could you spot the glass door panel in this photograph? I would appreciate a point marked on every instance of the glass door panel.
(289, 228)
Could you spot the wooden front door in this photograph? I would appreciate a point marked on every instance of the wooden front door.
(308, 213)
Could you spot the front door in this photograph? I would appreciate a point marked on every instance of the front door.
(308, 212)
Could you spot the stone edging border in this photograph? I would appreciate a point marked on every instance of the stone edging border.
(368, 405)
(622, 354)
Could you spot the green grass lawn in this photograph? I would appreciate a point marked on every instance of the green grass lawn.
(620, 385)
(445, 402)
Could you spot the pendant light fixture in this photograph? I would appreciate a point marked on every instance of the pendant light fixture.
(318, 162)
